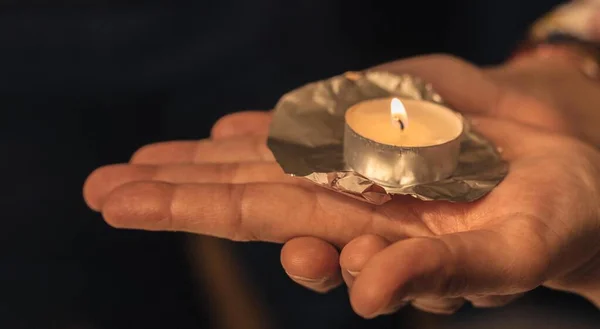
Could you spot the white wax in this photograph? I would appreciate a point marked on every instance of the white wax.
(428, 123)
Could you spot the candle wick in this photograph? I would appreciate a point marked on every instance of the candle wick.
(401, 124)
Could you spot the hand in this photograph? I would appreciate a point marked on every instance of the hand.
(230, 187)
(558, 87)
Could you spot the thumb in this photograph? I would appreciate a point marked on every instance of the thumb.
(474, 91)
(469, 263)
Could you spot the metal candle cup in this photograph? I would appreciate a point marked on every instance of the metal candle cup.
(425, 151)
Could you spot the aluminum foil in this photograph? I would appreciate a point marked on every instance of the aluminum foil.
(307, 135)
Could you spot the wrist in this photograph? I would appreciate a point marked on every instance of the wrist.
(558, 64)
(578, 56)
(571, 98)
(540, 84)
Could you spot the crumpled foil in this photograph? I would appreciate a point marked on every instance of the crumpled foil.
(307, 134)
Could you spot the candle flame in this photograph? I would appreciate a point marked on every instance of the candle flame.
(398, 114)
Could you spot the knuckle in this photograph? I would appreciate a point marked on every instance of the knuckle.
(238, 196)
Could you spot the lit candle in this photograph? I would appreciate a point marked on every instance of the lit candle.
(382, 144)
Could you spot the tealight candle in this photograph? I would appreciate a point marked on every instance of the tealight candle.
(397, 142)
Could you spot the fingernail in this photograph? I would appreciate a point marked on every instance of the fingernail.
(390, 309)
(307, 280)
(353, 273)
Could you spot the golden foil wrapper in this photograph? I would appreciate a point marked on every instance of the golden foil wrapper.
(307, 137)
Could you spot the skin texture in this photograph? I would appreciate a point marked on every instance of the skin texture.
(539, 227)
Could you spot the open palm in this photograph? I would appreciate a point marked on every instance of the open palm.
(540, 226)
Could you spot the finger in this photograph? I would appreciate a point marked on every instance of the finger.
(249, 148)
(445, 306)
(357, 252)
(241, 124)
(468, 89)
(448, 266)
(456, 84)
(493, 301)
(271, 212)
(312, 263)
(529, 141)
(348, 279)
(105, 179)
(393, 308)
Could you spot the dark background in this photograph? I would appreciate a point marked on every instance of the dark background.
(86, 84)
